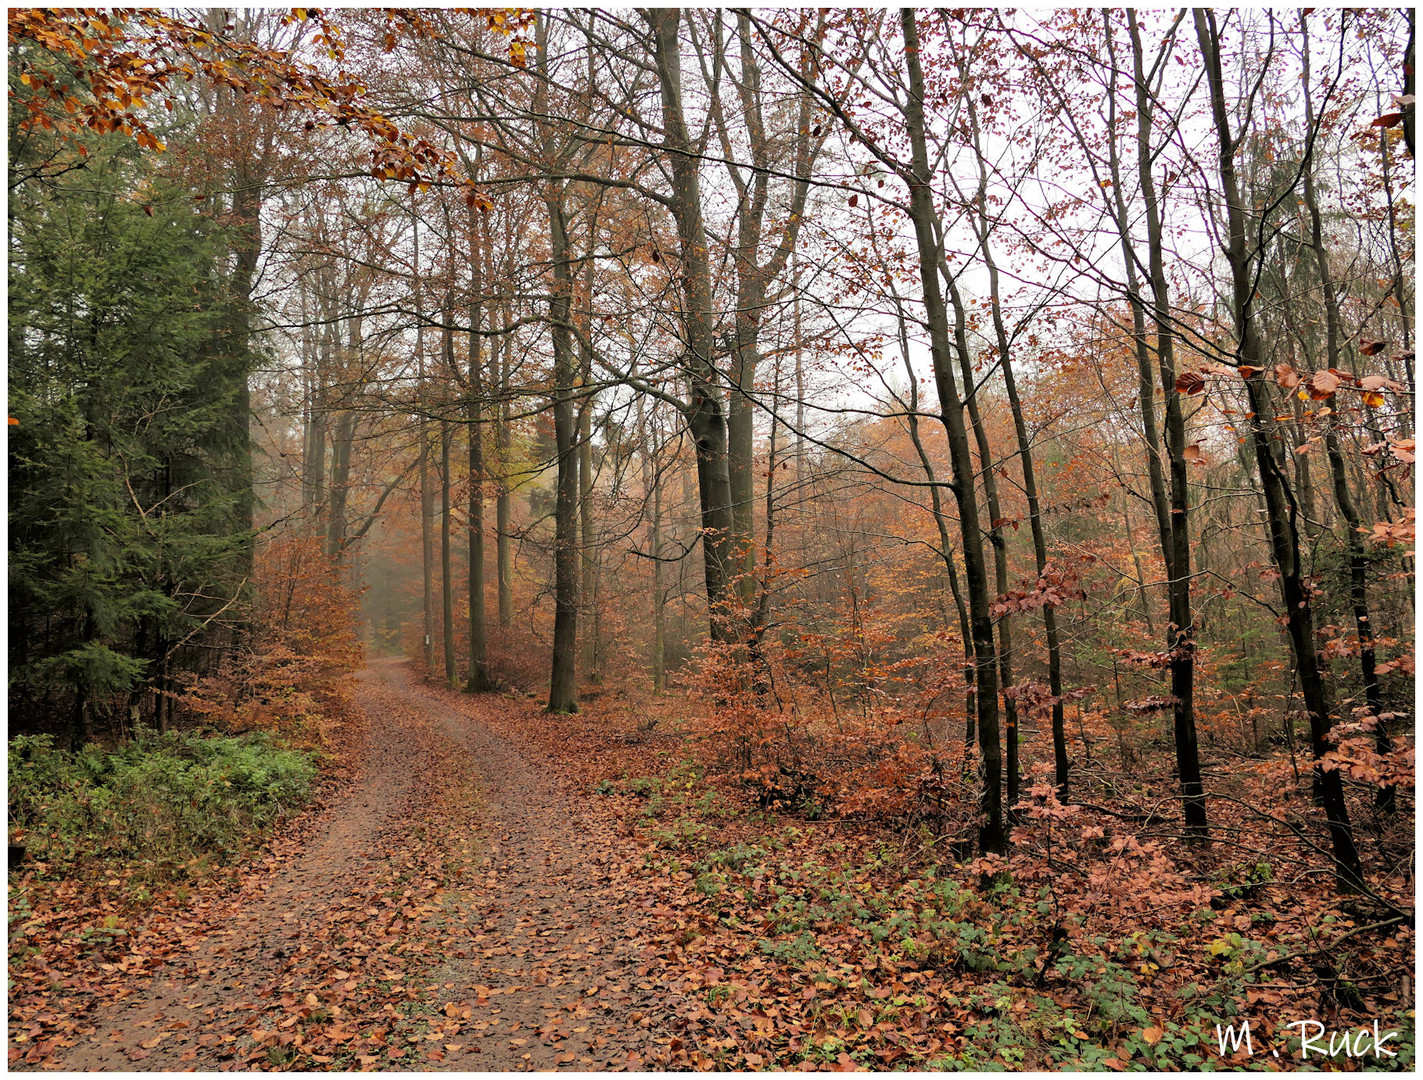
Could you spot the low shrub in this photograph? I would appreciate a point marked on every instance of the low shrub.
(165, 804)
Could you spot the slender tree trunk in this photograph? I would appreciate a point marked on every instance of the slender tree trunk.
(1400, 279)
(504, 555)
(1353, 544)
(996, 540)
(740, 428)
(1181, 634)
(799, 386)
(923, 215)
(1172, 517)
(563, 682)
(342, 441)
(1130, 533)
(689, 498)
(563, 679)
(427, 494)
(750, 302)
(446, 568)
(1281, 510)
(659, 606)
(478, 679)
(753, 278)
(706, 416)
(587, 548)
(1030, 487)
(427, 548)
(314, 468)
(1409, 83)
(309, 379)
(588, 570)
(247, 247)
(941, 523)
(761, 618)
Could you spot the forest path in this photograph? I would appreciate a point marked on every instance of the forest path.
(458, 907)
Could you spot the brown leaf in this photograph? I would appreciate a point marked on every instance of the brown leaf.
(1190, 382)
(1322, 385)
(1379, 382)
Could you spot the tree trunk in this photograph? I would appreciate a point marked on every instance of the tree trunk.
(922, 213)
(753, 278)
(941, 523)
(314, 466)
(447, 585)
(427, 494)
(342, 440)
(563, 679)
(706, 416)
(563, 682)
(478, 679)
(504, 554)
(996, 541)
(1171, 504)
(1279, 503)
(247, 248)
(588, 570)
(659, 607)
(1180, 633)
(1030, 490)
(1387, 798)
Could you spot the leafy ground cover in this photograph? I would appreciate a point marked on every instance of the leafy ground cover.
(493, 889)
(824, 940)
(159, 808)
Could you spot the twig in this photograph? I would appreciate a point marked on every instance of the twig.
(1327, 946)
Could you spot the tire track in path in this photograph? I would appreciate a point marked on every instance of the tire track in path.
(537, 950)
(230, 965)
(554, 940)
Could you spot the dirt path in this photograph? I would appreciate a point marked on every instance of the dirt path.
(529, 957)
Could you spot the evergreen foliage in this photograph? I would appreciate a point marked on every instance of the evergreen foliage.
(125, 438)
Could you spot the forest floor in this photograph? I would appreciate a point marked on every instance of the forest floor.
(484, 887)
(456, 907)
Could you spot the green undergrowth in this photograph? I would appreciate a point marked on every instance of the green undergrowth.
(868, 958)
(165, 807)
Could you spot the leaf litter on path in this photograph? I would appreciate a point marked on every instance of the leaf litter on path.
(453, 909)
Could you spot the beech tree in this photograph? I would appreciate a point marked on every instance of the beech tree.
(1279, 499)
(924, 394)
